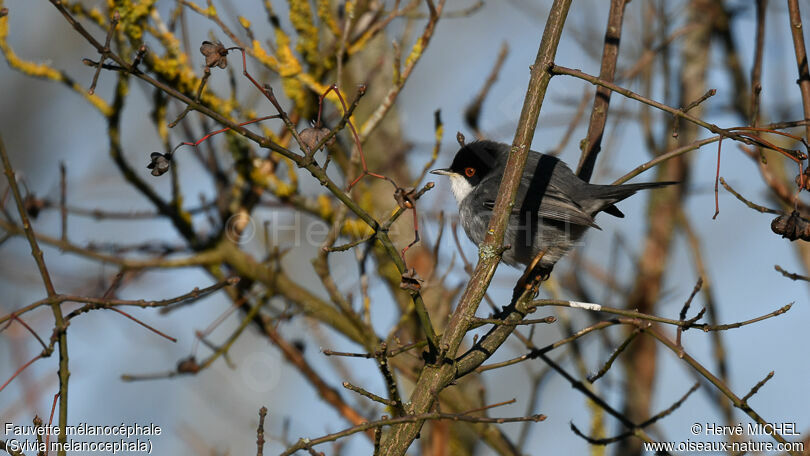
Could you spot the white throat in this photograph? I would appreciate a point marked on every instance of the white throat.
(460, 187)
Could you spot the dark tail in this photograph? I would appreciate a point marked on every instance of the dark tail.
(605, 196)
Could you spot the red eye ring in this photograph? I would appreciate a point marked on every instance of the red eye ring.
(469, 171)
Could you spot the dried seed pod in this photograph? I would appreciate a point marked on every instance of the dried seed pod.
(791, 226)
(312, 136)
(33, 205)
(405, 197)
(410, 280)
(215, 54)
(188, 366)
(159, 163)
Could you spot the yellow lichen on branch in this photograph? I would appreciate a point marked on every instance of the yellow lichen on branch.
(357, 228)
(277, 187)
(94, 13)
(416, 53)
(325, 207)
(410, 62)
(327, 18)
(132, 16)
(41, 70)
(263, 57)
(302, 21)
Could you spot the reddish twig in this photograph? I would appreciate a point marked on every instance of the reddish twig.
(216, 132)
(357, 142)
(22, 368)
(50, 420)
(159, 333)
(31, 330)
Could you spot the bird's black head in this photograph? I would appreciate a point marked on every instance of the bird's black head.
(472, 163)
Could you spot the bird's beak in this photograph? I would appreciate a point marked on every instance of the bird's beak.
(441, 172)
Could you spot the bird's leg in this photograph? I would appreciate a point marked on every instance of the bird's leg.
(531, 279)
(529, 275)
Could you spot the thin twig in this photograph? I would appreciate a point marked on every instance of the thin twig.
(105, 52)
(260, 432)
(613, 356)
(63, 199)
(559, 70)
(369, 394)
(188, 108)
(756, 387)
(754, 206)
(675, 122)
(477, 321)
(60, 324)
(791, 275)
(685, 308)
(305, 443)
(103, 303)
(381, 356)
(656, 319)
(647, 423)
(719, 384)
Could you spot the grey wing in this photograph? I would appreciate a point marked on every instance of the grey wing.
(559, 206)
(549, 202)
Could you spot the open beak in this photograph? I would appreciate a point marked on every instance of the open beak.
(441, 172)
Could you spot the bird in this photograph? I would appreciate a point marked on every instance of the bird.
(553, 206)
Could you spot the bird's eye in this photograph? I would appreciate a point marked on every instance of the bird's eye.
(469, 171)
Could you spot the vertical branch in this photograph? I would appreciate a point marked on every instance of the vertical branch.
(63, 199)
(596, 129)
(641, 357)
(801, 59)
(60, 328)
(756, 69)
(434, 378)
(722, 30)
(260, 432)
